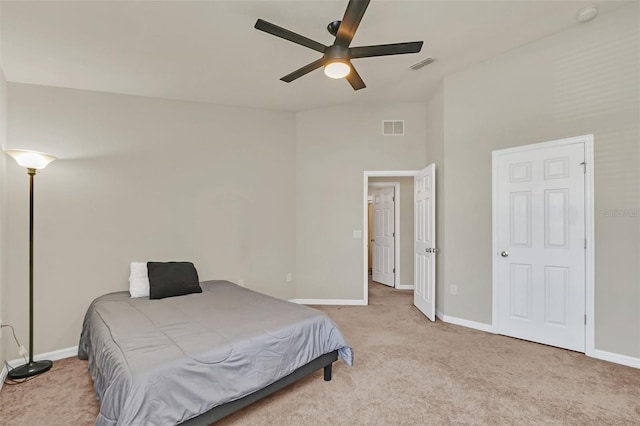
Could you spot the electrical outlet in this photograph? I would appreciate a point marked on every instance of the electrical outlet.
(241, 283)
(454, 289)
(22, 351)
(289, 277)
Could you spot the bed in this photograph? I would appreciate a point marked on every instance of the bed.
(196, 358)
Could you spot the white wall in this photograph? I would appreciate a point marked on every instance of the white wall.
(142, 179)
(581, 81)
(3, 280)
(334, 146)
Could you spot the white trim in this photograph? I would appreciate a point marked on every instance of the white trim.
(589, 198)
(590, 255)
(494, 243)
(405, 287)
(3, 375)
(346, 302)
(396, 225)
(465, 323)
(629, 361)
(365, 193)
(51, 356)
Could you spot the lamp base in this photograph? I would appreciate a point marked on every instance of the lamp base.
(30, 369)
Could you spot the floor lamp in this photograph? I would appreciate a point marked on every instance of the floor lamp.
(32, 161)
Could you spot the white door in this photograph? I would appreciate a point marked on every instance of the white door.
(424, 293)
(384, 236)
(541, 245)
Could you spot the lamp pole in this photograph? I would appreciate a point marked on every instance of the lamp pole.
(32, 173)
(32, 161)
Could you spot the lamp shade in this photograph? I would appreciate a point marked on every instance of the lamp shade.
(337, 69)
(30, 159)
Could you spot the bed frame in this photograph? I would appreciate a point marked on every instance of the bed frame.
(216, 413)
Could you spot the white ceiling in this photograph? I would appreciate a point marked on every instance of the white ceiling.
(209, 51)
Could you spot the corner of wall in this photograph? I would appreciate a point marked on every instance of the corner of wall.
(434, 153)
(3, 142)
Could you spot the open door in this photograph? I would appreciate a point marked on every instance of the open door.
(424, 294)
(384, 236)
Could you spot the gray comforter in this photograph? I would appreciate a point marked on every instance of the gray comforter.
(161, 362)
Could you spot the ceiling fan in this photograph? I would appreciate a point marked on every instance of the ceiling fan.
(336, 58)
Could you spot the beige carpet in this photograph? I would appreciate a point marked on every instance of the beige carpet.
(408, 371)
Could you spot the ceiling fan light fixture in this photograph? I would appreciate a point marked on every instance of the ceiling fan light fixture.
(337, 69)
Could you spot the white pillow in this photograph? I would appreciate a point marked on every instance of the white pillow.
(139, 280)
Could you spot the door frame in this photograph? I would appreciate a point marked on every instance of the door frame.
(589, 208)
(396, 225)
(365, 221)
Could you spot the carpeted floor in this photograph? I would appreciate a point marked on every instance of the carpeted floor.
(408, 371)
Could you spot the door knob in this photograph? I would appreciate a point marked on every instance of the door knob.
(504, 254)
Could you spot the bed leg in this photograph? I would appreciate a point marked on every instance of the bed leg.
(327, 372)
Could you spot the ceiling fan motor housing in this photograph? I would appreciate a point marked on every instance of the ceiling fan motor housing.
(336, 53)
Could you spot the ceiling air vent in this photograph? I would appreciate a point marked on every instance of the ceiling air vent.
(422, 63)
(393, 127)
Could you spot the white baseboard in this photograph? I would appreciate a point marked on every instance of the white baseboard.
(465, 323)
(629, 361)
(51, 356)
(405, 287)
(347, 302)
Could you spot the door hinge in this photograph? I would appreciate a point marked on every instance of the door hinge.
(585, 319)
(584, 166)
(585, 243)
(393, 199)
(394, 235)
(394, 270)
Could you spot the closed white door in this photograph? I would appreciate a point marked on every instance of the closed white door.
(541, 245)
(383, 236)
(424, 293)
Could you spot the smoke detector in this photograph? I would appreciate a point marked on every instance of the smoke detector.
(587, 14)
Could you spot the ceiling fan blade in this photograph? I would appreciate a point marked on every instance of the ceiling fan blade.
(355, 80)
(385, 49)
(277, 31)
(352, 17)
(302, 71)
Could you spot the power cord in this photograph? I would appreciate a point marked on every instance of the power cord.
(21, 350)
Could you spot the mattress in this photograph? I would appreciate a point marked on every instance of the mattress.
(162, 362)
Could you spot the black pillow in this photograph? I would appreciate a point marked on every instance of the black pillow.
(168, 279)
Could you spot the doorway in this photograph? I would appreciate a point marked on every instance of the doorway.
(542, 243)
(421, 239)
(385, 232)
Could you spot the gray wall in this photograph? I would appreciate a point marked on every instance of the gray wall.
(3, 280)
(435, 154)
(142, 179)
(406, 224)
(580, 81)
(334, 146)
